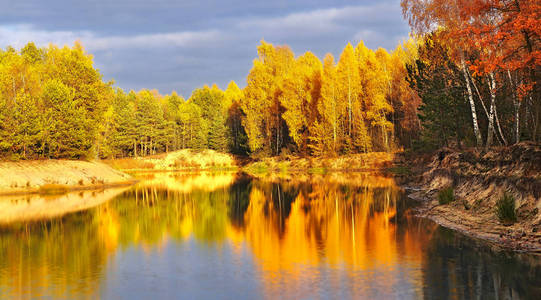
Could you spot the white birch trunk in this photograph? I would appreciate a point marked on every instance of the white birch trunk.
(490, 132)
(516, 104)
(472, 104)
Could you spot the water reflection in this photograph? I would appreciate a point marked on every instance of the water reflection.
(32, 207)
(299, 237)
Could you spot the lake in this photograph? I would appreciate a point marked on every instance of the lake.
(230, 236)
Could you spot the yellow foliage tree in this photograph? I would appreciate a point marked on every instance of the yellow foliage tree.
(326, 132)
(375, 82)
(349, 86)
(263, 123)
(301, 90)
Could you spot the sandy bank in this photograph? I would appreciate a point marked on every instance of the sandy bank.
(479, 179)
(31, 176)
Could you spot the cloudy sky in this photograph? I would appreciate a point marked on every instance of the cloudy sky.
(181, 45)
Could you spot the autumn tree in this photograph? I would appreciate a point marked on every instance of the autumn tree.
(326, 133)
(263, 122)
(233, 97)
(496, 44)
(301, 92)
(349, 88)
(425, 17)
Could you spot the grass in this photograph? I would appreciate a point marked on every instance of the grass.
(259, 167)
(505, 209)
(128, 164)
(53, 189)
(446, 195)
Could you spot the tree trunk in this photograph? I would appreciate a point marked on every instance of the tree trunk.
(490, 131)
(334, 121)
(504, 140)
(516, 104)
(476, 131)
(349, 103)
(535, 121)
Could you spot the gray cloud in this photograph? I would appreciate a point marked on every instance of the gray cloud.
(179, 45)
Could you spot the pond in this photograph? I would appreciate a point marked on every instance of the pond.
(230, 236)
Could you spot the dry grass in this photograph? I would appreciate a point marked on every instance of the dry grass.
(129, 164)
(186, 159)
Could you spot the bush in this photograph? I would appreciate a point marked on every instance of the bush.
(505, 209)
(446, 195)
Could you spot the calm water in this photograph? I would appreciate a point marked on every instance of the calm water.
(226, 236)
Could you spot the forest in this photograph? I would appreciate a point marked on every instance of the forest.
(467, 77)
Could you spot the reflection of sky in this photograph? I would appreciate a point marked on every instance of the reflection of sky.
(194, 270)
(252, 239)
(182, 270)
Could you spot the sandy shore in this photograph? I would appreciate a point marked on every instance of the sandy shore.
(478, 180)
(517, 237)
(34, 176)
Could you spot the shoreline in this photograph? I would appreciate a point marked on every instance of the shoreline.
(498, 236)
(478, 180)
(35, 207)
(58, 177)
(67, 188)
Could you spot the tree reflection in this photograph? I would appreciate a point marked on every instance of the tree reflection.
(362, 229)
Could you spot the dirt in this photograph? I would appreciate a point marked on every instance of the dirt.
(479, 179)
(34, 176)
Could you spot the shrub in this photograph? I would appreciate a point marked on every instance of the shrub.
(446, 195)
(505, 209)
(259, 167)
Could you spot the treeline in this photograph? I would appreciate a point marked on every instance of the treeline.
(146, 123)
(361, 103)
(292, 105)
(470, 77)
(52, 102)
(478, 70)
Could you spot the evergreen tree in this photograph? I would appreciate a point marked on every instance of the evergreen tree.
(438, 82)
